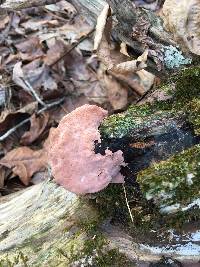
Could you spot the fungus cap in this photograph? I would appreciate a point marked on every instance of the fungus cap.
(71, 154)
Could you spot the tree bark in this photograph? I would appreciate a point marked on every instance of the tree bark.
(45, 225)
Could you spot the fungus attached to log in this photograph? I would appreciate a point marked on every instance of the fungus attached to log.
(71, 154)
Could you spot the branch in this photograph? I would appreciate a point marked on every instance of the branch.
(140, 28)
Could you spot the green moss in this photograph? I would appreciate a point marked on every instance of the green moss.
(174, 182)
(166, 182)
(187, 85)
(113, 258)
(183, 88)
(193, 111)
(134, 119)
(95, 253)
(91, 249)
(116, 126)
(19, 258)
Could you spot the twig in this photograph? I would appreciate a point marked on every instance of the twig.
(55, 16)
(72, 47)
(12, 130)
(48, 106)
(129, 210)
(34, 93)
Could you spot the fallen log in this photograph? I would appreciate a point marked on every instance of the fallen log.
(46, 225)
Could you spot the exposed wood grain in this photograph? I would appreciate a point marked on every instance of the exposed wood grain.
(42, 222)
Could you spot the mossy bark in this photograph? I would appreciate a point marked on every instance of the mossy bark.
(48, 226)
(45, 225)
(160, 141)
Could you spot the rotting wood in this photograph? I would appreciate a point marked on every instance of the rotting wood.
(43, 220)
(42, 224)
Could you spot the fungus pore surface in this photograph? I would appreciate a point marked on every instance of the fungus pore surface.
(71, 154)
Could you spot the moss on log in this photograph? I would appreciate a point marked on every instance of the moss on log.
(45, 225)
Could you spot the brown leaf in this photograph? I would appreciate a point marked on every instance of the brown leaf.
(100, 27)
(33, 24)
(111, 56)
(30, 49)
(132, 65)
(38, 125)
(117, 94)
(76, 66)
(38, 76)
(2, 176)
(10, 118)
(24, 162)
(182, 19)
(146, 79)
(55, 52)
(63, 6)
(3, 22)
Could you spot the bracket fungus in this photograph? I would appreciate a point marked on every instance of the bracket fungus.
(71, 154)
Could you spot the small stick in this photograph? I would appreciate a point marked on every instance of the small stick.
(129, 210)
(12, 130)
(72, 47)
(34, 93)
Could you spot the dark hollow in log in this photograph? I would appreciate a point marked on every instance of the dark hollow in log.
(156, 140)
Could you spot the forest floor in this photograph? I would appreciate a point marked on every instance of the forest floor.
(47, 69)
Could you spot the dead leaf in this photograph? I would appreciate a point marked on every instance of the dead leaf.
(10, 118)
(37, 76)
(100, 27)
(132, 65)
(24, 162)
(55, 52)
(38, 125)
(63, 6)
(2, 176)
(18, 76)
(30, 49)
(129, 79)
(37, 24)
(76, 66)
(146, 79)
(182, 19)
(3, 22)
(117, 94)
(123, 49)
(113, 59)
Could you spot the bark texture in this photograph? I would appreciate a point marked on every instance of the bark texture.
(45, 225)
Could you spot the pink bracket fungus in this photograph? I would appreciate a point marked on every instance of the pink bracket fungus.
(71, 154)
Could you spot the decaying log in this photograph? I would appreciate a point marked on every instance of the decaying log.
(45, 225)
